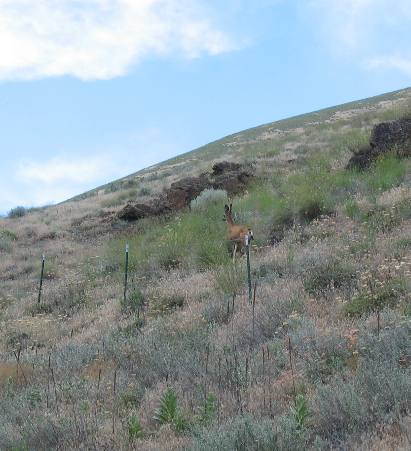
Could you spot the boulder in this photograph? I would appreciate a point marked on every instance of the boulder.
(133, 212)
(224, 167)
(387, 136)
(229, 176)
(182, 192)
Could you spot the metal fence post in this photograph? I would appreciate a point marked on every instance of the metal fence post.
(126, 275)
(247, 240)
(43, 259)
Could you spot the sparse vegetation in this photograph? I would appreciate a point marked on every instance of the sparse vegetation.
(319, 361)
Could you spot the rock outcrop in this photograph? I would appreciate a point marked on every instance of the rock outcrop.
(232, 177)
(392, 136)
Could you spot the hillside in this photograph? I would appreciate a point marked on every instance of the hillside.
(182, 360)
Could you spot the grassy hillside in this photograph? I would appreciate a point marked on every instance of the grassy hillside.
(321, 360)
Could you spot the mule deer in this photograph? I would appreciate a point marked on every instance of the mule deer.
(236, 233)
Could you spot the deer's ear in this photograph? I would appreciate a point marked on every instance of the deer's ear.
(231, 208)
(226, 207)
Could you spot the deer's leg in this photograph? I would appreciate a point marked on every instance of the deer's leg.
(234, 251)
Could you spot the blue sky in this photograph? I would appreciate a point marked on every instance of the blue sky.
(93, 90)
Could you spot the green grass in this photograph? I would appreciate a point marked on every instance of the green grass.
(386, 173)
(196, 239)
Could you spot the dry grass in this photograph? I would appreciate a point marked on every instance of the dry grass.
(188, 336)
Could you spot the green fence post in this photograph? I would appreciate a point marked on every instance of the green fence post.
(43, 259)
(126, 276)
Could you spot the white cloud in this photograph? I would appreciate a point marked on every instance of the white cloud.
(369, 32)
(101, 39)
(400, 63)
(63, 170)
(59, 178)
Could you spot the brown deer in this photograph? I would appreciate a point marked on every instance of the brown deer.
(236, 233)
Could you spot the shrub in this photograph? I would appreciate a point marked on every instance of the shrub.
(7, 234)
(322, 355)
(135, 327)
(380, 219)
(378, 392)
(73, 295)
(300, 411)
(168, 412)
(391, 347)
(244, 433)
(216, 311)
(289, 435)
(207, 198)
(135, 430)
(308, 192)
(144, 191)
(282, 222)
(230, 278)
(40, 309)
(352, 209)
(17, 212)
(239, 434)
(113, 187)
(377, 298)
(167, 349)
(322, 270)
(5, 244)
(208, 410)
(133, 303)
(167, 303)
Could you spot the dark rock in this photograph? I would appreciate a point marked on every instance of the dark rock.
(133, 212)
(392, 136)
(233, 183)
(362, 158)
(224, 167)
(182, 192)
(231, 177)
(387, 135)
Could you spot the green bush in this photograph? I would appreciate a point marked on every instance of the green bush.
(168, 412)
(308, 192)
(208, 409)
(380, 297)
(300, 411)
(135, 431)
(209, 197)
(133, 303)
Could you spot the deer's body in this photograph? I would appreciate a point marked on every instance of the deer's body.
(236, 232)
